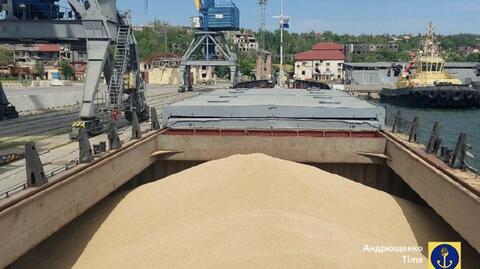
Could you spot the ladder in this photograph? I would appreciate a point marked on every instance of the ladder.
(120, 66)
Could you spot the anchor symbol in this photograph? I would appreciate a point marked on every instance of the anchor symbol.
(445, 254)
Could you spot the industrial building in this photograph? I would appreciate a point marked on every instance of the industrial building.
(163, 69)
(363, 48)
(26, 56)
(245, 41)
(383, 73)
(264, 65)
(324, 62)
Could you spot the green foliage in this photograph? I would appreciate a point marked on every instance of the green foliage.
(67, 70)
(247, 64)
(298, 42)
(6, 56)
(222, 71)
(162, 38)
(382, 56)
(40, 69)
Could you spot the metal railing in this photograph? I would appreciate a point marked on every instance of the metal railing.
(458, 155)
(49, 174)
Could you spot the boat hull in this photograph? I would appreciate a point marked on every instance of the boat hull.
(441, 96)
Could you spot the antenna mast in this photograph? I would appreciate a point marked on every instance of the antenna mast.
(263, 6)
(146, 12)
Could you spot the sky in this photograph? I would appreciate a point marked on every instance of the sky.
(340, 16)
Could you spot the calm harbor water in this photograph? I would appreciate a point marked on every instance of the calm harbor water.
(452, 121)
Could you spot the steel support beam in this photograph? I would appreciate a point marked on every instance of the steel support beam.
(97, 54)
(16, 31)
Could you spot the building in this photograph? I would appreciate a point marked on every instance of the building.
(163, 69)
(25, 58)
(264, 67)
(362, 48)
(323, 62)
(245, 42)
(469, 50)
(387, 73)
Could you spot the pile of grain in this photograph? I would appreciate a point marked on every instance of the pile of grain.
(246, 211)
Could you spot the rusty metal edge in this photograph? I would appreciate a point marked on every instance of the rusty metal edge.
(451, 175)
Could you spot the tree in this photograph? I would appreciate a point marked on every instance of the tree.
(6, 56)
(222, 71)
(247, 65)
(67, 70)
(161, 37)
(40, 69)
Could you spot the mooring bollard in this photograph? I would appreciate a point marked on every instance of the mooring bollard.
(35, 173)
(413, 137)
(459, 154)
(113, 138)
(155, 124)
(86, 153)
(433, 143)
(396, 122)
(136, 131)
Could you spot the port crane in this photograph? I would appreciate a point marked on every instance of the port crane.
(209, 47)
(100, 27)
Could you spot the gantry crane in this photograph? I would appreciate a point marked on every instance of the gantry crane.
(99, 25)
(209, 47)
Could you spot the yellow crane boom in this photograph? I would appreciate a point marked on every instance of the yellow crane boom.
(198, 4)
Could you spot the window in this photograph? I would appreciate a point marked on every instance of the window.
(424, 67)
(303, 73)
(328, 64)
(434, 67)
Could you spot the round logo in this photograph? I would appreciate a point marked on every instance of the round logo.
(445, 257)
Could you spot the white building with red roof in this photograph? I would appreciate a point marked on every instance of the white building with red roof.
(323, 62)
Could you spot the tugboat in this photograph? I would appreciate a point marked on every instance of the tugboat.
(430, 86)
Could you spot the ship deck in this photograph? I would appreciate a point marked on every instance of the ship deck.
(278, 109)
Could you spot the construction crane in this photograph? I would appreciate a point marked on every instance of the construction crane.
(209, 47)
(99, 25)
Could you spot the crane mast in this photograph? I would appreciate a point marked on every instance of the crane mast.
(209, 47)
(98, 24)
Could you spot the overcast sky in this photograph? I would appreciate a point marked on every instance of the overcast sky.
(341, 16)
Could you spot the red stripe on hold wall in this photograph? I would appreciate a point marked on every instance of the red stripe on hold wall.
(274, 133)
